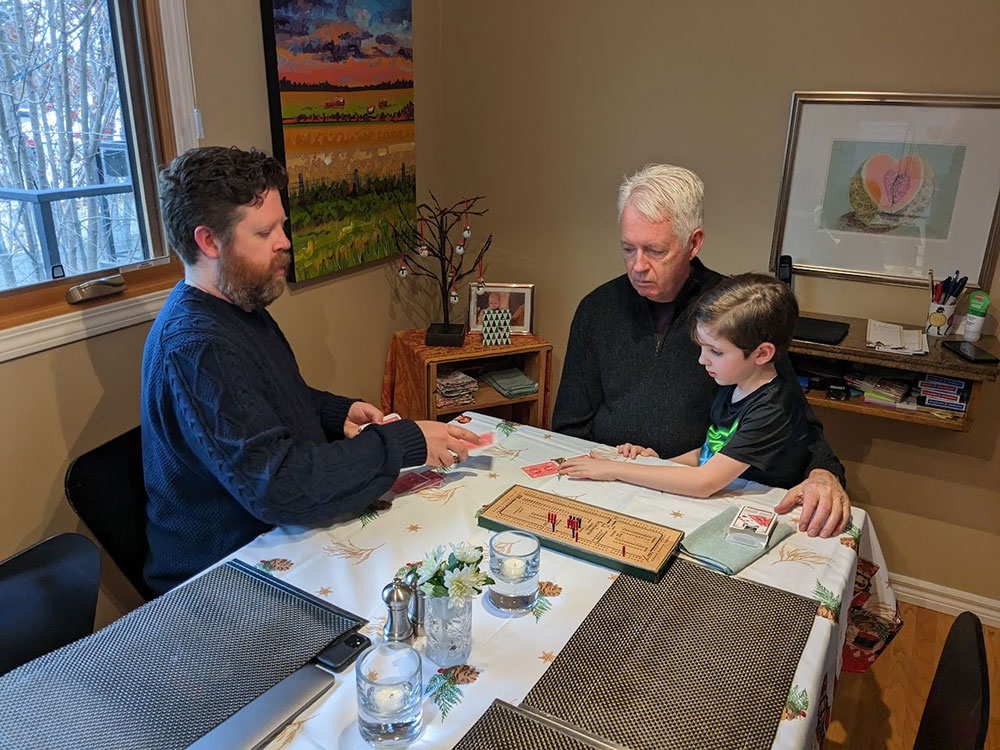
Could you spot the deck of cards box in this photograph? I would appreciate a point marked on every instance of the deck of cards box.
(496, 327)
(752, 526)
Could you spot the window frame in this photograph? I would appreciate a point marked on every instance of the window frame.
(142, 71)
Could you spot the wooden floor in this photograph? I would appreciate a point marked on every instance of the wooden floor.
(881, 709)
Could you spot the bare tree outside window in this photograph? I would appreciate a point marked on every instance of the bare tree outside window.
(67, 204)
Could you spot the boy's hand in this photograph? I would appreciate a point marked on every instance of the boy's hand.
(590, 468)
(632, 451)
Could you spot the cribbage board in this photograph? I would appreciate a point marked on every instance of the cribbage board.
(648, 546)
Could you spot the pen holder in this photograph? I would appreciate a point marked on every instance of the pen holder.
(940, 319)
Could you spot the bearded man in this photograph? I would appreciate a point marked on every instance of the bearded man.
(234, 442)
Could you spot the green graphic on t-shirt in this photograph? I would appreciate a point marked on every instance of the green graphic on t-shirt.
(716, 440)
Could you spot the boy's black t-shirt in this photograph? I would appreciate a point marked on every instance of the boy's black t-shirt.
(766, 429)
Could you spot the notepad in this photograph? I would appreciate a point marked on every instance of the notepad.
(890, 337)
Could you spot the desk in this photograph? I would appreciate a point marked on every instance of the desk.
(411, 370)
(350, 562)
(853, 351)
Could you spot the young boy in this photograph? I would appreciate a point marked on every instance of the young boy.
(758, 427)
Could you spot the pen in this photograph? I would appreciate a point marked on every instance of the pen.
(961, 287)
(930, 283)
(945, 290)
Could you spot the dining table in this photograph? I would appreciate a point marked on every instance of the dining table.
(349, 563)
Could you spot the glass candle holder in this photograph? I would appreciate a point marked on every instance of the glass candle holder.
(514, 558)
(390, 695)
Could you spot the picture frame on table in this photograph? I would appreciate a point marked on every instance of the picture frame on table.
(886, 187)
(518, 298)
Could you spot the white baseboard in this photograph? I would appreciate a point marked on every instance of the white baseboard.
(944, 599)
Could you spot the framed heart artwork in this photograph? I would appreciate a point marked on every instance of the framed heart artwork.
(888, 187)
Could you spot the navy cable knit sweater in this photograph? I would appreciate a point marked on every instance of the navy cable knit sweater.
(620, 385)
(235, 442)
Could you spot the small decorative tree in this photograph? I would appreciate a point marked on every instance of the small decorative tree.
(427, 249)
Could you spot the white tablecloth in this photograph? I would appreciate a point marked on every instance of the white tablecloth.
(349, 563)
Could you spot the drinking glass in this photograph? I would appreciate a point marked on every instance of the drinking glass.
(514, 558)
(390, 695)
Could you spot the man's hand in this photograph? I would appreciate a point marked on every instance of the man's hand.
(826, 508)
(600, 469)
(444, 442)
(361, 413)
(632, 451)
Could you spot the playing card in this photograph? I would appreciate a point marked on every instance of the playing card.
(544, 469)
(390, 418)
(752, 526)
(432, 477)
(561, 461)
(485, 439)
(410, 482)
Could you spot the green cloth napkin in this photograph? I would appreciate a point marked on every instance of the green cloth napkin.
(708, 544)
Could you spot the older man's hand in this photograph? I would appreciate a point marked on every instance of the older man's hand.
(826, 508)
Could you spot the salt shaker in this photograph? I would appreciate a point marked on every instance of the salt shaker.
(416, 610)
(397, 597)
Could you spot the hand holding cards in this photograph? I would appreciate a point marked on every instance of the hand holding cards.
(752, 526)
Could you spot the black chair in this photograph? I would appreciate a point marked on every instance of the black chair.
(48, 597)
(105, 487)
(958, 707)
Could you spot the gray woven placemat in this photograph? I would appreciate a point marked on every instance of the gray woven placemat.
(168, 672)
(698, 660)
(506, 727)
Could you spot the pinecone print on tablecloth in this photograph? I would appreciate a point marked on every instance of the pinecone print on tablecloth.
(463, 674)
(443, 687)
(851, 536)
(549, 589)
(275, 565)
(829, 603)
(796, 705)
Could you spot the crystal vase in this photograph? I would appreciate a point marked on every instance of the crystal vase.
(449, 631)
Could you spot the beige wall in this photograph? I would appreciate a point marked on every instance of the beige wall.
(543, 107)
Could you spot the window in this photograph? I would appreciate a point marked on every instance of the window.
(77, 157)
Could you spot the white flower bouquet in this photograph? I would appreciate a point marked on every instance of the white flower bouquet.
(453, 573)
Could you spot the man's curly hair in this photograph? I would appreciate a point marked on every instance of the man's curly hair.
(208, 187)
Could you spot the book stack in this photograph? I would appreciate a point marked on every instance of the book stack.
(879, 390)
(455, 389)
(511, 383)
(938, 392)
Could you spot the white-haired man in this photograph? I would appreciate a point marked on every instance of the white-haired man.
(631, 372)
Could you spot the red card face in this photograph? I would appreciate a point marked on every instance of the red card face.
(544, 469)
(432, 477)
(485, 439)
(410, 482)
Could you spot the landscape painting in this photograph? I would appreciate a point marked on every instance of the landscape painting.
(340, 83)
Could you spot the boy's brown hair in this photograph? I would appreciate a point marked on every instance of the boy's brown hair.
(748, 310)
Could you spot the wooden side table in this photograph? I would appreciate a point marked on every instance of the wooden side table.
(411, 371)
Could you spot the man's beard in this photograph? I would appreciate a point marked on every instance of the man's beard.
(246, 286)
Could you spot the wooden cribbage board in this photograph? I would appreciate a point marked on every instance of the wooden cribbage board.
(649, 546)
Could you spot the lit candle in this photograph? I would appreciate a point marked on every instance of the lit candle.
(513, 567)
(389, 699)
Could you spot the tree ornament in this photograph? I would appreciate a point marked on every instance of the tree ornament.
(480, 288)
(453, 296)
(466, 231)
(423, 250)
(459, 248)
(403, 271)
